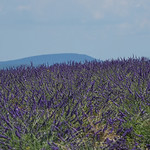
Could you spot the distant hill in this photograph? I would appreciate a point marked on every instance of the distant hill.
(48, 59)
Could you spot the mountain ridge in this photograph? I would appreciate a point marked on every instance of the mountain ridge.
(47, 59)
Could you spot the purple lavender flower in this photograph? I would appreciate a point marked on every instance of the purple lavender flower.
(5, 137)
(17, 134)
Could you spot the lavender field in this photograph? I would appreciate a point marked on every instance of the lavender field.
(74, 106)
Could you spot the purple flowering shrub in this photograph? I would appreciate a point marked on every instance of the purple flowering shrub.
(101, 105)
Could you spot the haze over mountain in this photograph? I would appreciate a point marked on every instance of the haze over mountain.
(48, 59)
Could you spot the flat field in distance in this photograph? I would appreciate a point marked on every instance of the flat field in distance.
(74, 106)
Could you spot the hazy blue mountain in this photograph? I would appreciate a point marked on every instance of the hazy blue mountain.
(48, 59)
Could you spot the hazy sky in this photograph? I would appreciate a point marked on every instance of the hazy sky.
(103, 29)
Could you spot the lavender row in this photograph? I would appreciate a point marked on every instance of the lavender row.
(105, 105)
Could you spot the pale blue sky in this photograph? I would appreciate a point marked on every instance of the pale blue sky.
(103, 29)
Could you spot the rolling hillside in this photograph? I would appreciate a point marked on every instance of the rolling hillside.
(48, 59)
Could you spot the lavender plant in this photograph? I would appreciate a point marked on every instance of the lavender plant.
(95, 105)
